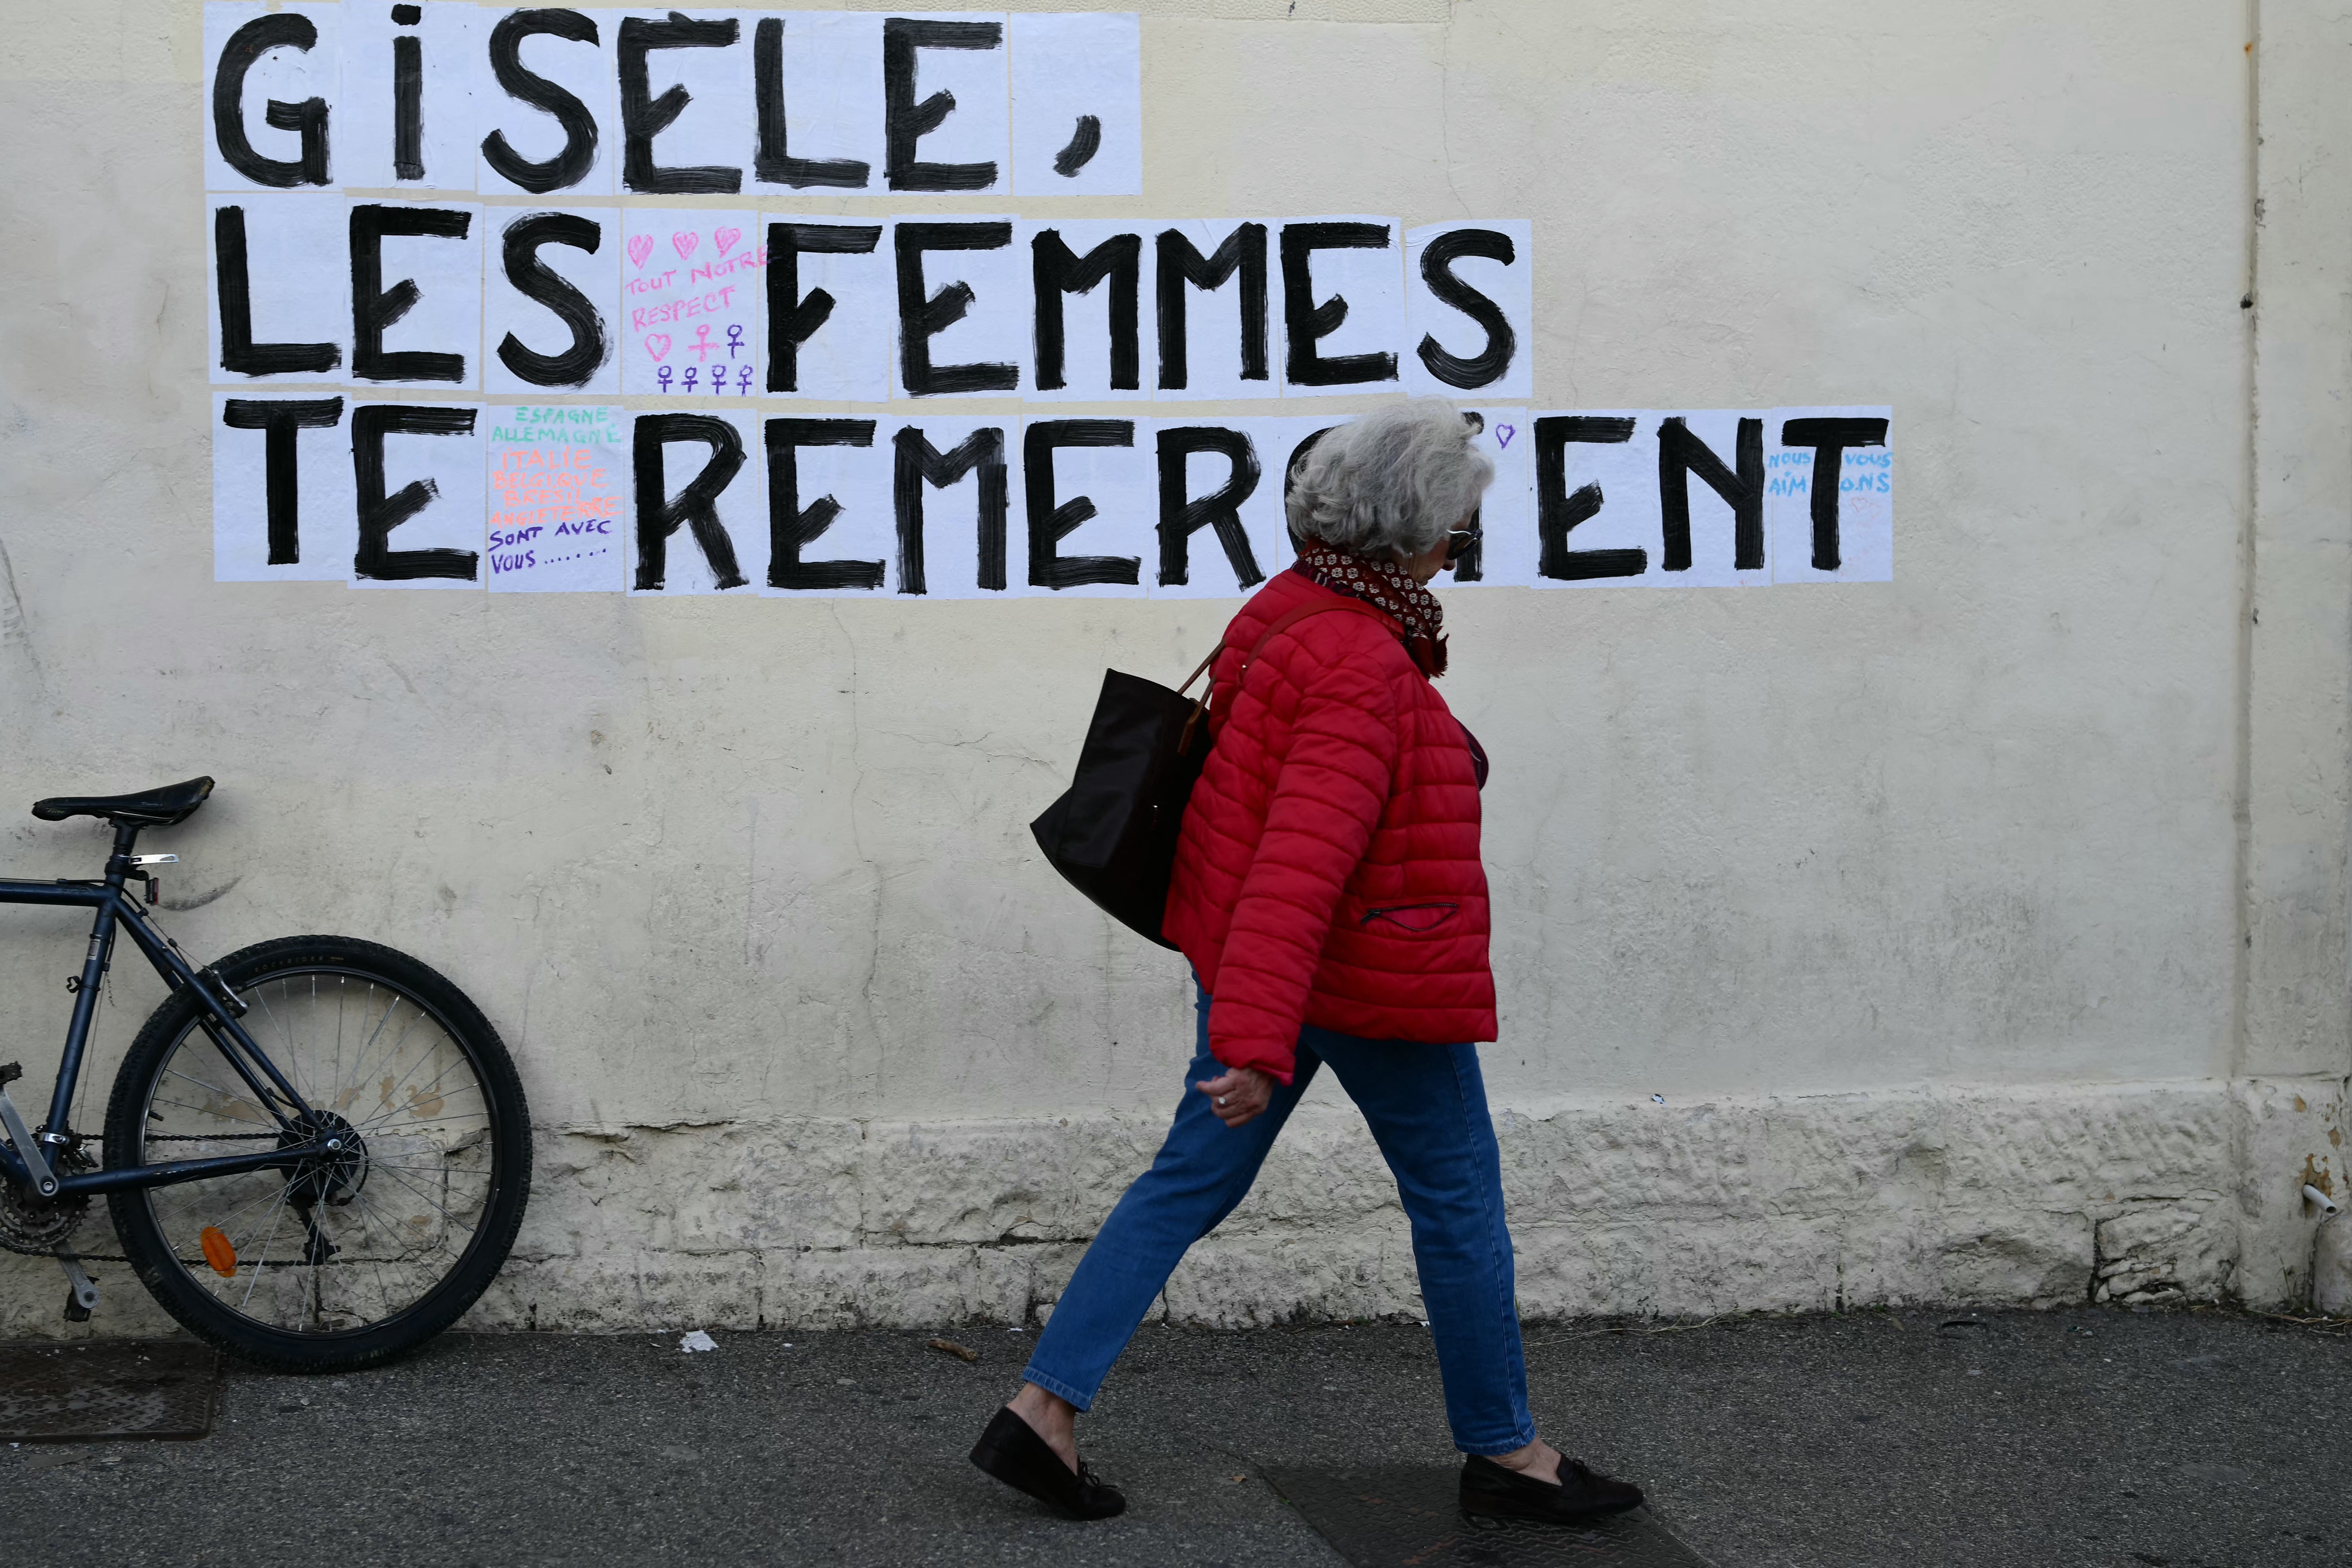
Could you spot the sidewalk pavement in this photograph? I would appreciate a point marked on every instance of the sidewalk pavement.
(2083, 1438)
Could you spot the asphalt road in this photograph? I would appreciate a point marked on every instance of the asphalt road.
(2084, 1438)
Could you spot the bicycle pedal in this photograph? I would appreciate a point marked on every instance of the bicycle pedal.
(82, 1290)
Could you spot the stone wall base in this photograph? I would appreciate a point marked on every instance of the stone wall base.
(2137, 1192)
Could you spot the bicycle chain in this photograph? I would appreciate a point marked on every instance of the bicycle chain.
(36, 1231)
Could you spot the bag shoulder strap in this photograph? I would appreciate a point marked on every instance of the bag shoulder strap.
(1282, 623)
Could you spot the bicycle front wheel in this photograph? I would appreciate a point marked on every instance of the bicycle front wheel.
(340, 1262)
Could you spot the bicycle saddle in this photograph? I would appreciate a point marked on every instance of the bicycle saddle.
(158, 807)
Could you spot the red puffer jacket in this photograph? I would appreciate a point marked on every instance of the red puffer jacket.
(1328, 869)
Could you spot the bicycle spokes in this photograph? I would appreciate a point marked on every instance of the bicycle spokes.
(398, 1174)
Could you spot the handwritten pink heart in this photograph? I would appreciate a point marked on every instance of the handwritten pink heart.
(726, 238)
(640, 247)
(657, 345)
(1503, 434)
(684, 241)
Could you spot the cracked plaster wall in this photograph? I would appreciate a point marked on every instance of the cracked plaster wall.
(1970, 924)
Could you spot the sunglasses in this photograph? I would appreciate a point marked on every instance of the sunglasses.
(1460, 542)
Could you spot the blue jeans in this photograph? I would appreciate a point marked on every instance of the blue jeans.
(1427, 1108)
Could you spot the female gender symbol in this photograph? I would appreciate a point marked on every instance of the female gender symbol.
(664, 375)
(690, 378)
(734, 339)
(743, 380)
(703, 344)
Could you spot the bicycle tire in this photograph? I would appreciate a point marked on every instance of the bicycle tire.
(172, 1277)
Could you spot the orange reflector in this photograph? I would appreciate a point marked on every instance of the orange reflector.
(218, 1252)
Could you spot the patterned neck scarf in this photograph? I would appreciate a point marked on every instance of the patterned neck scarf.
(1386, 587)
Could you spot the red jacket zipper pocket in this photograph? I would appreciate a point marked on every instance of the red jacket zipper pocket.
(1413, 918)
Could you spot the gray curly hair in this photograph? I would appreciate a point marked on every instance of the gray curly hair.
(1392, 481)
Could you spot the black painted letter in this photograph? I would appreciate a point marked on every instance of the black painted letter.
(1054, 272)
(571, 164)
(658, 513)
(407, 105)
(1307, 323)
(919, 463)
(1491, 363)
(233, 279)
(791, 529)
(1829, 438)
(1557, 512)
(773, 161)
(1243, 251)
(535, 279)
(906, 123)
(794, 316)
(282, 420)
(375, 308)
(287, 30)
(643, 116)
(1681, 455)
(1050, 524)
(1180, 516)
(922, 319)
(381, 513)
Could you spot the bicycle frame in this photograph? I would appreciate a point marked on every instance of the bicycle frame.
(116, 910)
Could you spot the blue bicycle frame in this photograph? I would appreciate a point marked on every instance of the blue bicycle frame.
(116, 909)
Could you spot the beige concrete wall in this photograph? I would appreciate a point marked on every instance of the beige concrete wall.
(2049, 823)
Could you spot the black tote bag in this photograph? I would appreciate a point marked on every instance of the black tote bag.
(1113, 832)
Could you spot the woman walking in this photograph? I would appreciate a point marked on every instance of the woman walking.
(1330, 896)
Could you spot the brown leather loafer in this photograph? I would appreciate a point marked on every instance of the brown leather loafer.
(1012, 1451)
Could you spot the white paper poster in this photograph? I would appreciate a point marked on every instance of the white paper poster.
(1813, 540)
(683, 83)
(1470, 310)
(1088, 509)
(956, 504)
(406, 118)
(1210, 293)
(417, 469)
(1341, 282)
(970, 335)
(1721, 455)
(1596, 498)
(1614, 524)
(691, 296)
(829, 491)
(268, 126)
(835, 310)
(947, 112)
(1078, 104)
(281, 305)
(553, 280)
(697, 503)
(557, 474)
(817, 77)
(543, 102)
(1505, 553)
(1218, 458)
(416, 293)
(1091, 338)
(282, 492)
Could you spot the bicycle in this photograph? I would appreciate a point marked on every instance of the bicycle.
(395, 1145)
